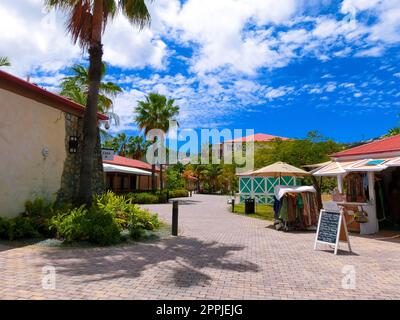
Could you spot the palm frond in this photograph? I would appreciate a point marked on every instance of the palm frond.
(136, 11)
(4, 62)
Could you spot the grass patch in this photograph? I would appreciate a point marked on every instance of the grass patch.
(263, 211)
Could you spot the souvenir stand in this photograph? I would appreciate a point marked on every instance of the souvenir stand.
(295, 208)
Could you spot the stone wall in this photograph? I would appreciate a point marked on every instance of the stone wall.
(70, 178)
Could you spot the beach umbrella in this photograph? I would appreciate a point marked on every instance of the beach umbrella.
(279, 169)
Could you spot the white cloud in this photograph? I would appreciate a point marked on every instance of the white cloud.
(274, 93)
(371, 52)
(218, 28)
(35, 39)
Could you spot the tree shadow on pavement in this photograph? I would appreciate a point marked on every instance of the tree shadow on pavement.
(186, 258)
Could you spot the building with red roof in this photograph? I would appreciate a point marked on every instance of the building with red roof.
(368, 180)
(40, 143)
(125, 175)
(238, 144)
(131, 163)
(258, 137)
(386, 145)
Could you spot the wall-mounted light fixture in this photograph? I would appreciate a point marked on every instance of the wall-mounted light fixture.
(73, 144)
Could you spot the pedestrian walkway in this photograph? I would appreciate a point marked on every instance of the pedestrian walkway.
(218, 255)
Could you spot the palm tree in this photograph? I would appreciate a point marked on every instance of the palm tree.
(132, 147)
(87, 20)
(154, 113)
(137, 147)
(75, 87)
(4, 62)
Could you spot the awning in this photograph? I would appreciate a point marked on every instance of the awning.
(336, 168)
(115, 168)
(280, 191)
(279, 169)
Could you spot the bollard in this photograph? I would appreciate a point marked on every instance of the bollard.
(233, 205)
(175, 218)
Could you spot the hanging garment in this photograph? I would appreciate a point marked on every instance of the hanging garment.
(283, 211)
(314, 212)
(291, 207)
(277, 206)
(355, 187)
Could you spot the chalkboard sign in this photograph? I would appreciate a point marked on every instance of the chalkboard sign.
(331, 229)
(328, 227)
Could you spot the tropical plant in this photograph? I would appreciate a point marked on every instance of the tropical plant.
(87, 20)
(392, 132)
(155, 112)
(132, 147)
(137, 147)
(174, 175)
(76, 88)
(4, 62)
(104, 221)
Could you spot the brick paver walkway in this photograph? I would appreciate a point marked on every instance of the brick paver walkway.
(218, 255)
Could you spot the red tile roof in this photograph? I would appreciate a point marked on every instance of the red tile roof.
(258, 137)
(379, 146)
(126, 162)
(8, 82)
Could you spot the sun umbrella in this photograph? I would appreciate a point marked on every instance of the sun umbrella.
(279, 169)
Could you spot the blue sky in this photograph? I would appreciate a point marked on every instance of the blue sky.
(280, 67)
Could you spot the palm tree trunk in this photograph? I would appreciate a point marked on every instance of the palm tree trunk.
(85, 195)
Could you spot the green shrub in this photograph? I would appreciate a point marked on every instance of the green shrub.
(117, 206)
(4, 228)
(178, 193)
(22, 228)
(33, 223)
(94, 225)
(104, 222)
(39, 212)
(141, 220)
(143, 198)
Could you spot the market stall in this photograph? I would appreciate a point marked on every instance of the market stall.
(368, 185)
(295, 208)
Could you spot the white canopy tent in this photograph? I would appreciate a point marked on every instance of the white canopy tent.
(280, 191)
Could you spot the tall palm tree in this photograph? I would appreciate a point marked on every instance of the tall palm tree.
(154, 113)
(87, 20)
(76, 87)
(4, 62)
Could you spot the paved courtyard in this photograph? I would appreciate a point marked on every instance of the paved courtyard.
(217, 255)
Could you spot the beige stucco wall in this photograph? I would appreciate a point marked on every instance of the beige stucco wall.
(26, 127)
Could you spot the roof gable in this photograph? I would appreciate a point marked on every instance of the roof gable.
(258, 137)
(389, 144)
(34, 92)
(127, 162)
